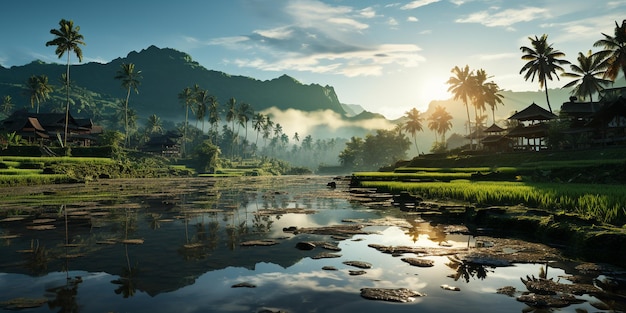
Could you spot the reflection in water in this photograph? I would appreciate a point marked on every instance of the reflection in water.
(466, 270)
(191, 253)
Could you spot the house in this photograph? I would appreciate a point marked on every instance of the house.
(532, 130)
(47, 127)
(167, 144)
(496, 139)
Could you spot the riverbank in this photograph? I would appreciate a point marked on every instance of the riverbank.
(573, 200)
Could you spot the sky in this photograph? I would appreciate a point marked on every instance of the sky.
(387, 56)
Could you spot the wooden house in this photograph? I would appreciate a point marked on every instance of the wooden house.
(532, 131)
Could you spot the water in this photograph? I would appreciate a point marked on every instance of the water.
(191, 255)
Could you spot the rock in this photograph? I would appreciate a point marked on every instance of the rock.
(329, 246)
(290, 229)
(267, 242)
(549, 301)
(305, 245)
(357, 273)
(326, 255)
(329, 268)
(451, 288)
(358, 264)
(243, 285)
(393, 295)
(507, 290)
(419, 262)
(332, 185)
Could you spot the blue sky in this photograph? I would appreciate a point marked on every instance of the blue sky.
(387, 56)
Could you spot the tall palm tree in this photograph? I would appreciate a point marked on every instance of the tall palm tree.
(258, 120)
(7, 105)
(493, 97)
(130, 81)
(244, 113)
(214, 116)
(461, 86)
(203, 100)
(478, 94)
(67, 39)
(440, 121)
(543, 61)
(187, 99)
(268, 126)
(588, 73)
(231, 116)
(614, 53)
(413, 125)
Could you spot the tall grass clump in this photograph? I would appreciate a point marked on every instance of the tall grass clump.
(604, 203)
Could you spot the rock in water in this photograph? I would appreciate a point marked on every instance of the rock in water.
(305, 245)
(358, 264)
(392, 295)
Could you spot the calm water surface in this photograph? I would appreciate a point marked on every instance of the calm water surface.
(175, 246)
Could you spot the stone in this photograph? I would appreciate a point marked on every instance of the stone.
(358, 264)
(392, 295)
(305, 245)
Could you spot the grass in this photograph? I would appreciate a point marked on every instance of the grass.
(604, 203)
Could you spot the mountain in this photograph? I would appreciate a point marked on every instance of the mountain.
(165, 72)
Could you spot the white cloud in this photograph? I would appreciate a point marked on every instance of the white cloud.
(417, 3)
(498, 56)
(392, 21)
(368, 12)
(505, 18)
(276, 33)
(412, 19)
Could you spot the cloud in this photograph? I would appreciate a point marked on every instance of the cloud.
(412, 19)
(321, 39)
(505, 18)
(418, 3)
(498, 56)
(368, 12)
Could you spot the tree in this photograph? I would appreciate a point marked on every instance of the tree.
(352, 155)
(588, 73)
(543, 61)
(440, 121)
(7, 105)
(258, 120)
(244, 113)
(461, 86)
(493, 97)
(231, 116)
(214, 116)
(413, 125)
(614, 53)
(130, 81)
(154, 125)
(203, 101)
(38, 89)
(187, 98)
(67, 39)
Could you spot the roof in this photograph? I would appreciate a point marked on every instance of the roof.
(533, 113)
(494, 129)
(580, 109)
(532, 131)
(494, 139)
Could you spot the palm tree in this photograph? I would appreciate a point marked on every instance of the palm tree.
(614, 53)
(186, 97)
(214, 116)
(588, 73)
(154, 125)
(7, 105)
(244, 113)
(461, 86)
(493, 97)
(413, 125)
(257, 124)
(268, 126)
(543, 61)
(203, 101)
(38, 89)
(130, 80)
(67, 39)
(440, 121)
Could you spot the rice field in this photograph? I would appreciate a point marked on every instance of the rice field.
(604, 203)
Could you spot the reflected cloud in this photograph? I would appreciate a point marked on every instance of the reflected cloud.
(505, 18)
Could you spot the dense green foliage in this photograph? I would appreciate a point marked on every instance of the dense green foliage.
(375, 151)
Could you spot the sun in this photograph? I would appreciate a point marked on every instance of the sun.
(434, 89)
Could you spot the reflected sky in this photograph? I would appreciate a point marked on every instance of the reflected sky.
(191, 255)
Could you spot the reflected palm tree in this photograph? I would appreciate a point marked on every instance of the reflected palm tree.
(127, 281)
(466, 270)
(37, 258)
(65, 297)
